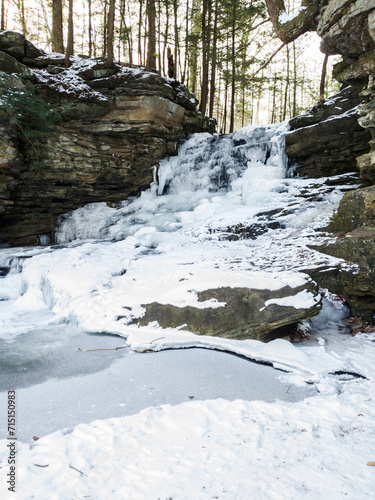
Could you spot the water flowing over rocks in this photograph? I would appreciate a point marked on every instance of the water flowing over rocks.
(116, 124)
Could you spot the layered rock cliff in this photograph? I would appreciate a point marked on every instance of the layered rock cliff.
(116, 123)
(339, 136)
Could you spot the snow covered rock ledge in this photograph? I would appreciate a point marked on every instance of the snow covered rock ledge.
(240, 313)
(116, 124)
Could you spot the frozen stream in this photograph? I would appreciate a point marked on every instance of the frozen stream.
(222, 213)
(59, 387)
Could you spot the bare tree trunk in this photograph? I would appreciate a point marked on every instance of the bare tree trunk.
(46, 25)
(273, 117)
(159, 37)
(226, 78)
(127, 32)
(57, 27)
(171, 69)
(213, 64)
(224, 122)
(140, 33)
(294, 80)
(2, 22)
(151, 53)
(105, 28)
(193, 46)
(323, 80)
(233, 96)
(183, 76)
(21, 10)
(165, 59)
(90, 29)
(130, 39)
(287, 82)
(70, 43)
(110, 31)
(206, 19)
(176, 40)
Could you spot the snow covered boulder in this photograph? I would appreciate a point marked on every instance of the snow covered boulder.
(243, 313)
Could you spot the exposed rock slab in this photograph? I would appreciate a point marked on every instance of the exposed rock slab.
(328, 139)
(10, 65)
(355, 219)
(247, 314)
(325, 142)
(356, 284)
(357, 209)
(345, 27)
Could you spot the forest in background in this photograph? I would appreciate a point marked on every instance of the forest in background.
(224, 51)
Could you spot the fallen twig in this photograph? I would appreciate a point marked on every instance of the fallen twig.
(71, 466)
(38, 465)
(103, 349)
(156, 340)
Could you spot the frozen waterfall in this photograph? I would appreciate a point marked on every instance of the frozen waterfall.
(243, 168)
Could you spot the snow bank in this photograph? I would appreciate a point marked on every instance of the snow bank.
(318, 448)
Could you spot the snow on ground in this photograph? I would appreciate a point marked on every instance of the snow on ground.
(317, 448)
(180, 237)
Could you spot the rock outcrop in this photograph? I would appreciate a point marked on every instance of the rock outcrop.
(116, 123)
(347, 28)
(328, 138)
(247, 314)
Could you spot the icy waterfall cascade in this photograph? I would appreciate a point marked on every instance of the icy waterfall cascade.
(236, 169)
(213, 162)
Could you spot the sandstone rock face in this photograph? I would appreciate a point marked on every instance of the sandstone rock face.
(328, 138)
(17, 46)
(356, 284)
(347, 27)
(117, 123)
(248, 313)
(357, 209)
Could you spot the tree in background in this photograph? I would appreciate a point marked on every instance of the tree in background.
(2, 19)
(70, 43)
(57, 27)
(110, 32)
(224, 51)
(151, 51)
